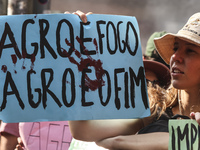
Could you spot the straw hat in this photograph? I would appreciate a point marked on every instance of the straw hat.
(162, 72)
(150, 46)
(190, 33)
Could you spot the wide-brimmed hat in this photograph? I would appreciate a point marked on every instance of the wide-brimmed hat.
(190, 33)
(162, 72)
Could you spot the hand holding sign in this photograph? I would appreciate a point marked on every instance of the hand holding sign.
(82, 15)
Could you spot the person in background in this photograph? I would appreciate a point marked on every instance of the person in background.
(159, 70)
(151, 52)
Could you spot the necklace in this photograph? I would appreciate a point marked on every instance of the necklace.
(180, 103)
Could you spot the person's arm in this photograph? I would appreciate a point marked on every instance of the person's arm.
(95, 130)
(8, 141)
(150, 141)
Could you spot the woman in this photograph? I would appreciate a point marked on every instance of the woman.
(182, 51)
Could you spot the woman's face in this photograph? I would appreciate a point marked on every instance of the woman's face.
(185, 65)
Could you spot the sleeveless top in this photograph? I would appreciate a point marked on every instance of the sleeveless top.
(161, 124)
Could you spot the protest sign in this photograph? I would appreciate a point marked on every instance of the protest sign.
(45, 135)
(55, 67)
(183, 134)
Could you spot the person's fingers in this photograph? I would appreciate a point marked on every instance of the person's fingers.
(192, 115)
(195, 116)
(89, 13)
(66, 12)
(81, 15)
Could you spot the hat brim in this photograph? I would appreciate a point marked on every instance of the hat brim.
(162, 72)
(165, 44)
